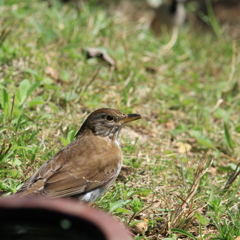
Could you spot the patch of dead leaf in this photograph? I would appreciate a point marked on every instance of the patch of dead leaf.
(98, 53)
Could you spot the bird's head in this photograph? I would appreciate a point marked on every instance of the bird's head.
(106, 122)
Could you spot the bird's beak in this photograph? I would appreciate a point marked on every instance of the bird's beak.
(130, 118)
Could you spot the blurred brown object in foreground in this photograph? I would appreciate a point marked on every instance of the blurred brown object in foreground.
(168, 16)
(56, 219)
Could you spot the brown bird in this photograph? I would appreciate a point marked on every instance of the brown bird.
(86, 167)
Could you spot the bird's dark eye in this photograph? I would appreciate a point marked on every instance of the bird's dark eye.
(110, 118)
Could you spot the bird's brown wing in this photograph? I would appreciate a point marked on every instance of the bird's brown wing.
(77, 169)
(64, 184)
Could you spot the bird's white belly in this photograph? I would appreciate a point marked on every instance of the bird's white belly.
(93, 195)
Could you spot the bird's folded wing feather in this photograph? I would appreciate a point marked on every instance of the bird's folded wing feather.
(63, 184)
(61, 178)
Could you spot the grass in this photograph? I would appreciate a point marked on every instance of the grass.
(188, 97)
